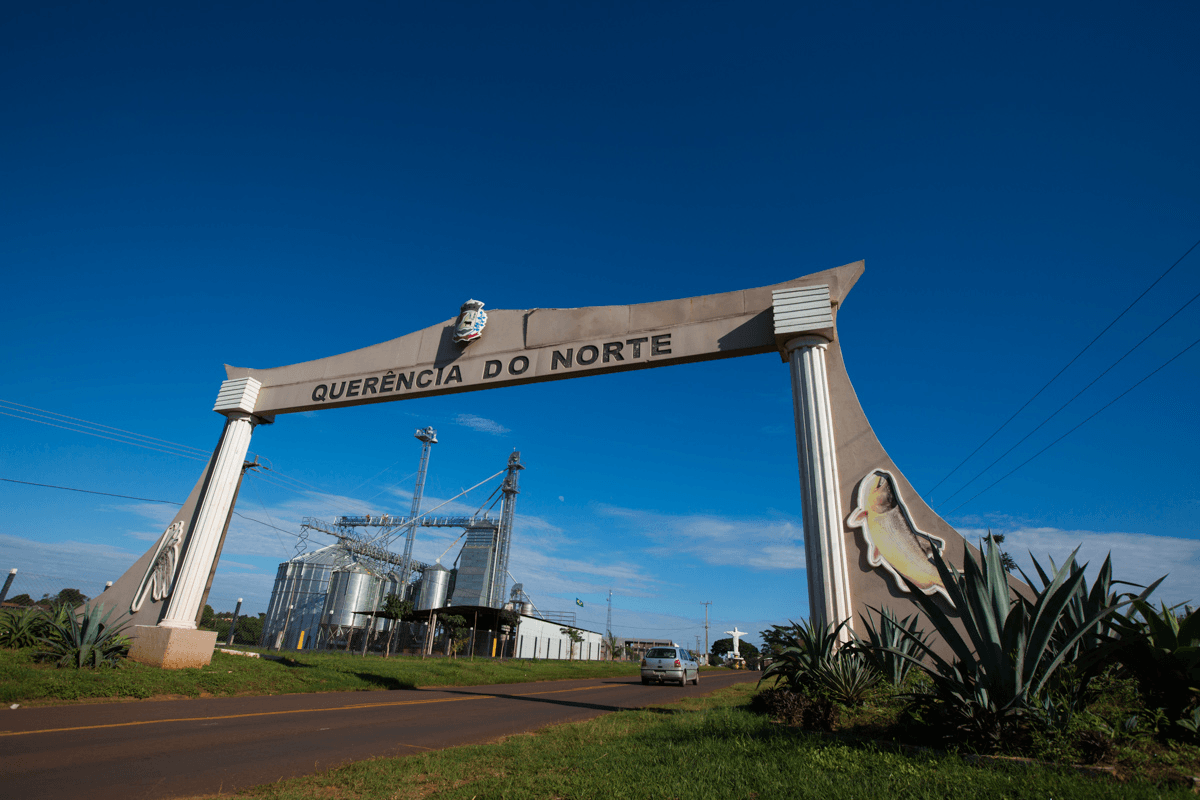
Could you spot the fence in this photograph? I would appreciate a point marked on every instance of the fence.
(18, 588)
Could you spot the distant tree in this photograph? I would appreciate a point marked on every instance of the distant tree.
(723, 649)
(575, 636)
(250, 629)
(1006, 560)
(777, 638)
(615, 650)
(208, 618)
(68, 597)
(456, 628)
(395, 609)
(21, 600)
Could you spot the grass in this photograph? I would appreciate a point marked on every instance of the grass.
(22, 680)
(707, 747)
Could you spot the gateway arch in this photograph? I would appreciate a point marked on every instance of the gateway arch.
(867, 533)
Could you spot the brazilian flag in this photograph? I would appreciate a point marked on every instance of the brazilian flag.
(578, 602)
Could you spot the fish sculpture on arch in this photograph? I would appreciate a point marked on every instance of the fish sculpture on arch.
(893, 541)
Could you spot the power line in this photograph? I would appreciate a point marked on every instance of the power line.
(42, 412)
(89, 491)
(143, 499)
(102, 436)
(1061, 371)
(1077, 427)
(1110, 367)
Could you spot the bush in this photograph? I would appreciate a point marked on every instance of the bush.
(796, 708)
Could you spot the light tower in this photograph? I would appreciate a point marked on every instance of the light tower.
(504, 534)
(428, 438)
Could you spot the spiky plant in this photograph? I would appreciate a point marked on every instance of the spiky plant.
(889, 637)
(848, 677)
(27, 627)
(1163, 653)
(85, 639)
(1093, 652)
(1012, 648)
(812, 650)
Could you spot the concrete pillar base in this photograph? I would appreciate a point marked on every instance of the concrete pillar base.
(172, 648)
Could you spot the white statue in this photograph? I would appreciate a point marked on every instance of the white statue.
(737, 637)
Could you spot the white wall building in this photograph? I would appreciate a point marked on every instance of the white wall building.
(539, 638)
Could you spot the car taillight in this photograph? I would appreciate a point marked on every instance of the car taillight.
(643, 662)
(677, 662)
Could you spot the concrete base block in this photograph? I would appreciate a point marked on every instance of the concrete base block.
(172, 648)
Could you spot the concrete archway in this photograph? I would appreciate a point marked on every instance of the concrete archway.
(867, 533)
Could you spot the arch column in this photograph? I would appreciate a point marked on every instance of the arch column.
(184, 603)
(820, 495)
(174, 642)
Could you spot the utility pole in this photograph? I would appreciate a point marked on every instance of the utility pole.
(706, 605)
(608, 628)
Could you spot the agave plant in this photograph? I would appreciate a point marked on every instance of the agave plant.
(1093, 652)
(883, 643)
(813, 649)
(86, 638)
(1163, 653)
(27, 627)
(848, 677)
(1012, 649)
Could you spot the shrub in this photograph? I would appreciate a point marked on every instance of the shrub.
(795, 708)
(85, 639)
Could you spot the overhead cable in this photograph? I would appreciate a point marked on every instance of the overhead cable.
(1195, 297)
(1077, 427)
(1064, 369)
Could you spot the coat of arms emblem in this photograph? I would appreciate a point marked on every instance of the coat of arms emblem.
(471, 320)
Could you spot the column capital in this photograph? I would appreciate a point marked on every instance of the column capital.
(810, 340)
(800, 312)
(237, 397)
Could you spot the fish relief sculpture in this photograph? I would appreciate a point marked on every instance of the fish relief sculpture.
(471, 320)
(160, 575)
(893, 541)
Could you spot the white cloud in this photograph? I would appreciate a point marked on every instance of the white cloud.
(481, 424)
(1136, 557)
(721, 541)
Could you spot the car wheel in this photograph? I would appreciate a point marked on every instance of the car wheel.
(645, 681)
(696, 680)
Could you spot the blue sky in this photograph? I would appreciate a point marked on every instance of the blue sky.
(190, 185)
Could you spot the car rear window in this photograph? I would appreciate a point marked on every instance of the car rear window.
(661, 652)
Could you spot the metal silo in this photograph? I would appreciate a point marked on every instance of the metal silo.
(301, 584)
(353, 588)
(435, 584)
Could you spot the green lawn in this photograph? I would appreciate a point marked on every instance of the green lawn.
(22, 680)
(708, 747)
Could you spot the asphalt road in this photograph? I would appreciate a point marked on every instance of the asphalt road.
(172, 748)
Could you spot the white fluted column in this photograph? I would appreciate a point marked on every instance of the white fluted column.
(236, 401)
(824, 542)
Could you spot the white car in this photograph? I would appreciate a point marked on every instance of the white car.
(664, 664)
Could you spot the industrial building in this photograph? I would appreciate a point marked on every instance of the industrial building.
(331, 598)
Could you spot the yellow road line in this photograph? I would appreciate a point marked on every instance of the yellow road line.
(239, 716)
(290, 711)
